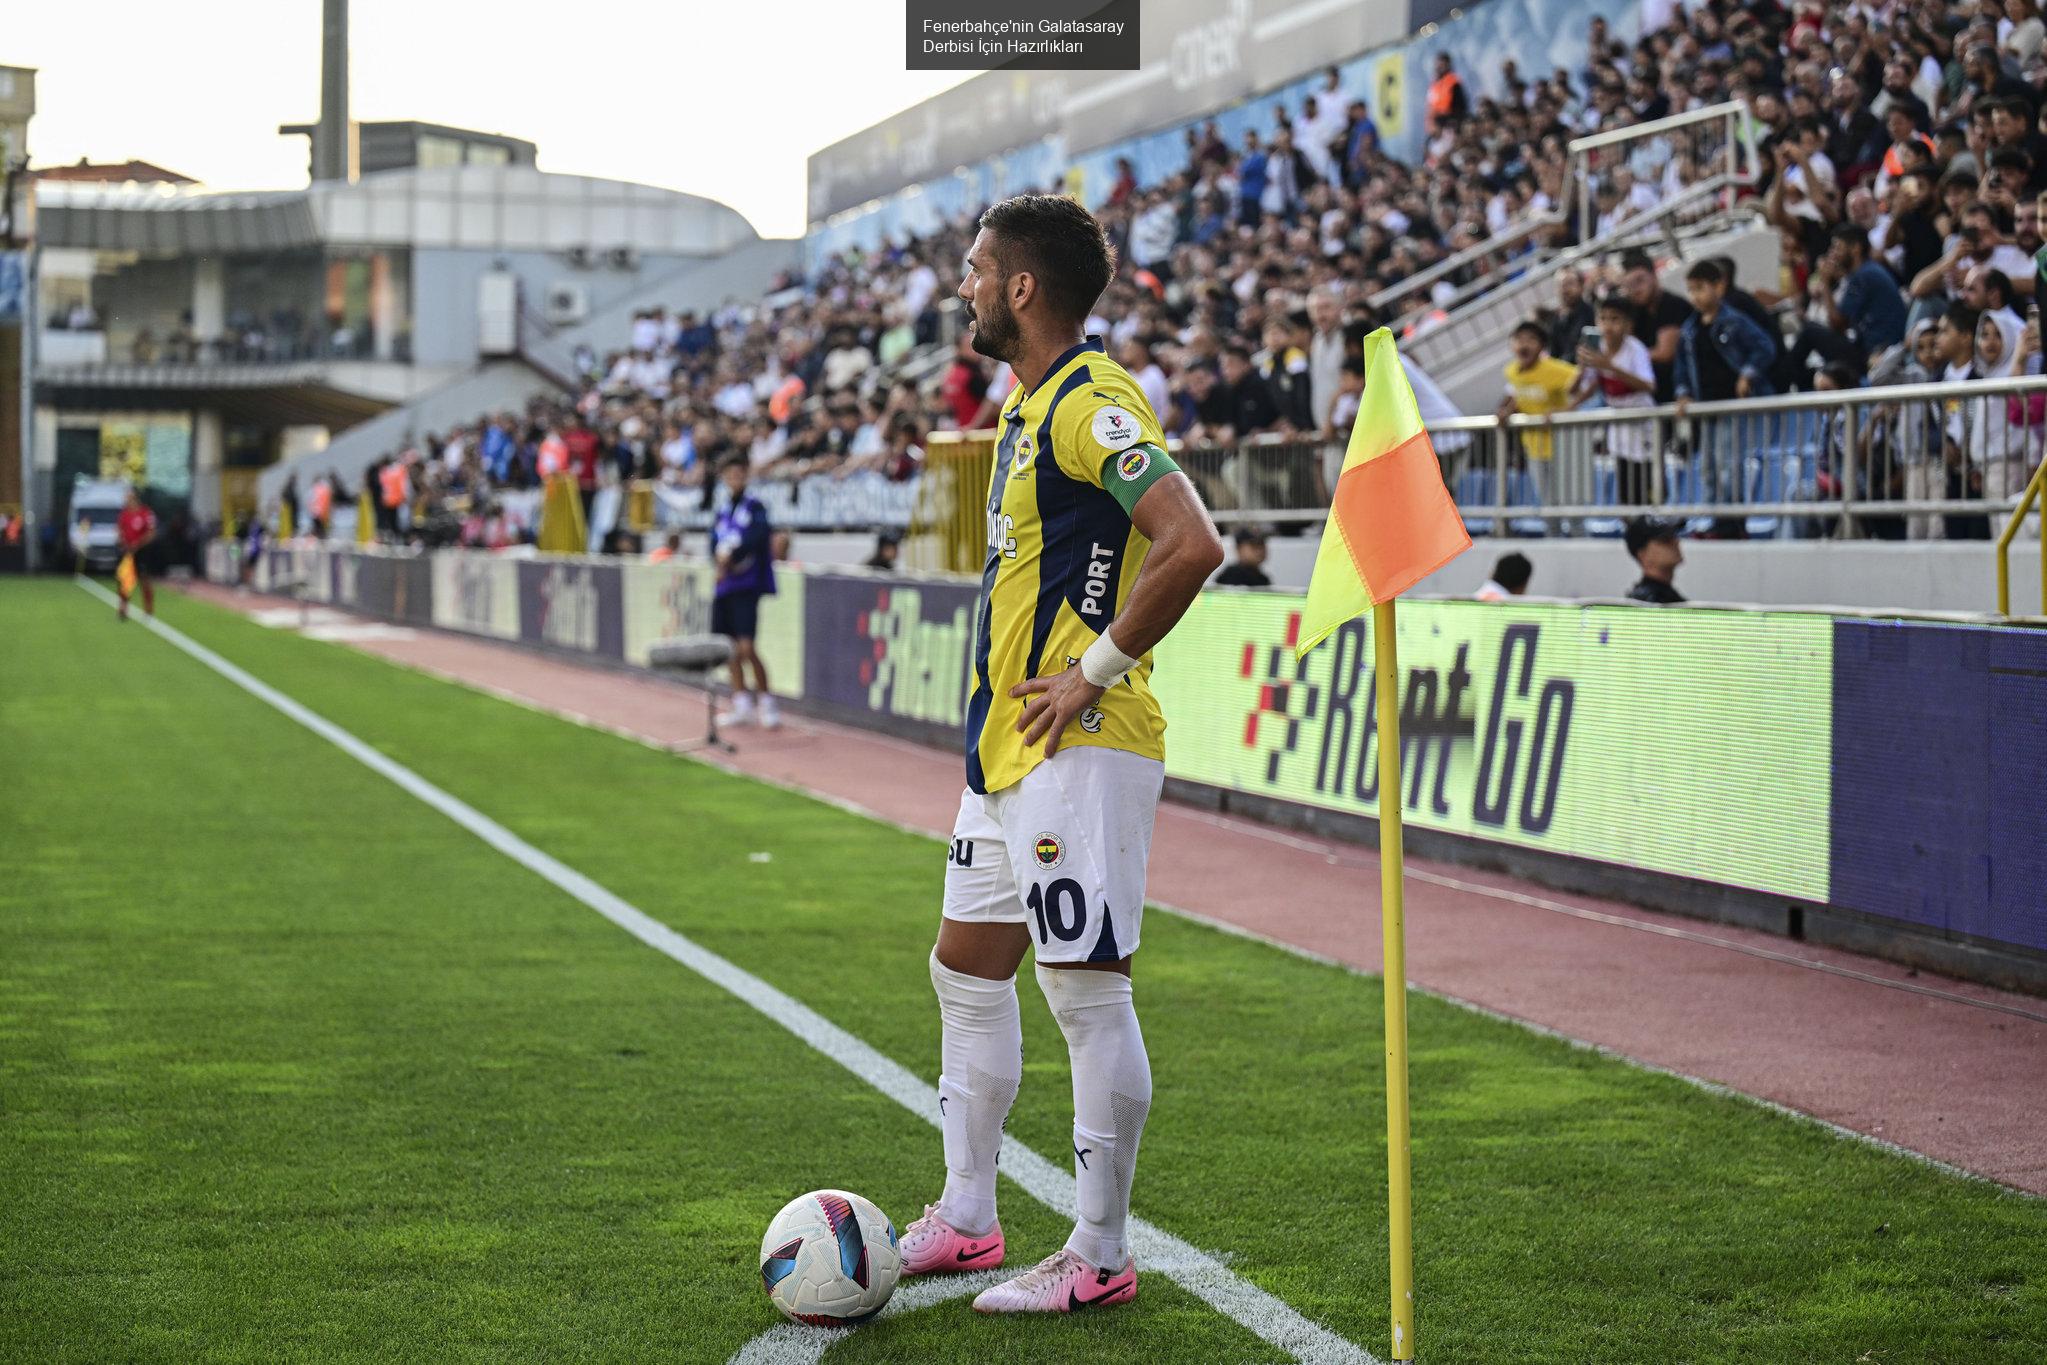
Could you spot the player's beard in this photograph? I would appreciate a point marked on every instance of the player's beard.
(995, 333)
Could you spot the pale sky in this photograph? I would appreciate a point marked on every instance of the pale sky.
(717, 98)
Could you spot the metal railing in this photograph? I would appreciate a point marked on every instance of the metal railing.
(1919, 461)
(1718, 142)
(1490, 315)
(2036, 489)
(1502, 249)
(1721, 134)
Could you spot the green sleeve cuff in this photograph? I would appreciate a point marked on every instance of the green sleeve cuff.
(1129, 473)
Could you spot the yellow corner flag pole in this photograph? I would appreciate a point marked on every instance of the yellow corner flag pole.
(1393, 932)
(1391, 524)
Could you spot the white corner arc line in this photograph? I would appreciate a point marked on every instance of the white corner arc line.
(792, 1343)
(1262, 1313)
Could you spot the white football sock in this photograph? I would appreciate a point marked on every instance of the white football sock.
(1111, 1096)
(981, 1056)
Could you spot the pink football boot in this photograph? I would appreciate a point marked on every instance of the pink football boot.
(932, 1246)
(1061, 1283)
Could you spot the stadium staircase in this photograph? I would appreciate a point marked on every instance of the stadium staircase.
(545, 363)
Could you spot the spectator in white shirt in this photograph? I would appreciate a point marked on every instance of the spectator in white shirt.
(1809, 181)
(1326, 348)
(918, 288)
(647, 331)
(1152, 232)
(846, 362)
(1137, 360)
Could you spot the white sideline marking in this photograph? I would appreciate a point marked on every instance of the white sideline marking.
(1193, 1269)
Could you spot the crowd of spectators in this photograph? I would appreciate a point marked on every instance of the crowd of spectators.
(1901, 151)
(1904, 167)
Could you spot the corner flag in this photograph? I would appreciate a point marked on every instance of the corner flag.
(1391, 524)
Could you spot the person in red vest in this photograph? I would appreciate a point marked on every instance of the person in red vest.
(582, 448)
(1447, 101)
(136, 528)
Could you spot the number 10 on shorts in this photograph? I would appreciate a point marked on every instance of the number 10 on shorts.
(1060, 909)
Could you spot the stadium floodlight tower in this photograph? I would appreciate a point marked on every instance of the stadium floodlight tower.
(333, 137)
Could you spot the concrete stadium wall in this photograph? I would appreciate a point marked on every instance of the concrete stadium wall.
(1868, 782)
(1872, 575)
(444, 285)
(1864, 575)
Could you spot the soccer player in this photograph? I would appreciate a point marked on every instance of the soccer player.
(1097, 545)
(746, 573)
(136, 528)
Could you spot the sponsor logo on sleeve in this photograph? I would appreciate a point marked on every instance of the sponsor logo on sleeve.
(1115, 427)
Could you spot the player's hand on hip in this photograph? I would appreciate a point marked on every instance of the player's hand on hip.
(1054, 701)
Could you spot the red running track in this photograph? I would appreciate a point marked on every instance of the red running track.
(1947, 1069)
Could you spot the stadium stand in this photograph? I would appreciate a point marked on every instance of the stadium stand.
(1893, 155)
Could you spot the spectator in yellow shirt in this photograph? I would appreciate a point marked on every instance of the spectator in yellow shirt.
(1537, 383)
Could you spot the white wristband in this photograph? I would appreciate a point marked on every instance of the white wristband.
(1103, 664)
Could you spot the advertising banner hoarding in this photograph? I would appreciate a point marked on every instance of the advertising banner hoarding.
(572, 604)
(662, 601)
(891, 650)
(1693, 743)
(1939, 794)
(477, 592)
(1892, 768)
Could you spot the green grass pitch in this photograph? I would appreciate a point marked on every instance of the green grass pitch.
(293, 1068)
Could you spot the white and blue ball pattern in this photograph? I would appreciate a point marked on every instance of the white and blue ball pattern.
(830, 1259)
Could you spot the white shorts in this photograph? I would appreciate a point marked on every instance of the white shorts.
(1063, 852)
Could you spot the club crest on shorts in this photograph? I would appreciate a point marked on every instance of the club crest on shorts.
(1049, 851)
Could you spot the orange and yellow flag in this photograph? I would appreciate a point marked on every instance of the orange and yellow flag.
(1391, 522)
(124, 574)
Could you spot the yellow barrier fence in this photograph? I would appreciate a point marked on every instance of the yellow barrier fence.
(949, 522)
(2036, 489)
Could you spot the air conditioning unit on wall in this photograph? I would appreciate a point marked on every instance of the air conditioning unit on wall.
(566, 304)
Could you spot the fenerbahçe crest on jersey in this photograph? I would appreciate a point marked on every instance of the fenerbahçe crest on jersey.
(1074, 456)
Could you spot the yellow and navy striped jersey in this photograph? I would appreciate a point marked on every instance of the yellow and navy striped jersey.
(1074, 456)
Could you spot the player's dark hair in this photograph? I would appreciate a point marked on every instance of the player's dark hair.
(1059, 243)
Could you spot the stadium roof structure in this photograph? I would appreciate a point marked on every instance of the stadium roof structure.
(111, 173)
(480, 208)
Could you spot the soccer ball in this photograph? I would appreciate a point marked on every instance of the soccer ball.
(830, 1259)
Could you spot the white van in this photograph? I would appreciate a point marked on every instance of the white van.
(95, 508)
